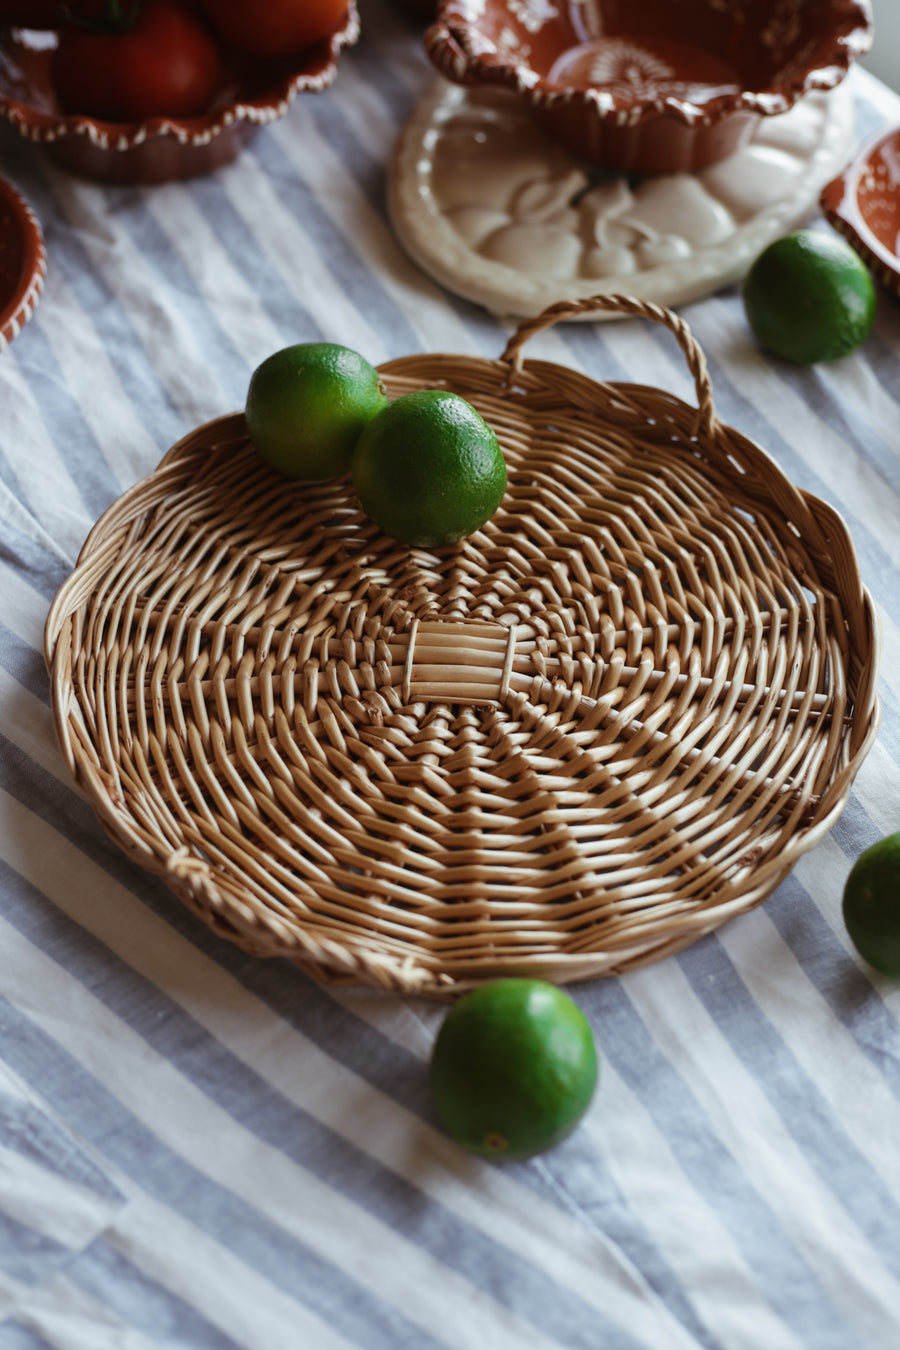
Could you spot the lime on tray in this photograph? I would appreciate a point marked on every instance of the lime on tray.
(307, 405)
(429, 469)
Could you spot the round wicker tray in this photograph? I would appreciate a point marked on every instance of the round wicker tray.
(589, 734)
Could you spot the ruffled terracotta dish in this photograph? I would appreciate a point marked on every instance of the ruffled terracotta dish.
(863, 203)
(161, 148)
(23, 263)
(669, 86)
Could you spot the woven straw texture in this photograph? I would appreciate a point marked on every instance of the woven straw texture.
(591, 733)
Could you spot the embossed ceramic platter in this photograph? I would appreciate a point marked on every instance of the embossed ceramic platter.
(501, 214)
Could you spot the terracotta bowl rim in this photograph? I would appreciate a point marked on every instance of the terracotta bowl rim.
(36, 125)
(19, 307)
(840, 206)
(450, 46)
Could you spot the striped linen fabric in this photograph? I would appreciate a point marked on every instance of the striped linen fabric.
(205, 1151)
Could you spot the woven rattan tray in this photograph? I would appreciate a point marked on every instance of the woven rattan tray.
(592, 732)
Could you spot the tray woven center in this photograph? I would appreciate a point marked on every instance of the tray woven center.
(457, 662)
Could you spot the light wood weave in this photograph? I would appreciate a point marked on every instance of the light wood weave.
(589, 734)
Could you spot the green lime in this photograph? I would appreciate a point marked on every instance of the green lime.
(513, 1068)
(428, 469)
(872, 905)
(809, 297)
(307, 405)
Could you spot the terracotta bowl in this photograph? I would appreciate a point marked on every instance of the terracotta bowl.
(863, 203)
(23, 263)
(663, 86)
(162, 148)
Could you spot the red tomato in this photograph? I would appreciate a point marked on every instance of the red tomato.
(166, 65)
(275, 28)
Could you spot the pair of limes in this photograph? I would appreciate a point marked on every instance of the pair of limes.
(426, 467)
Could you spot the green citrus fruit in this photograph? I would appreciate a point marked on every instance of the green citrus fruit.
(428, 469)
(872, 905)
(809, 297)
(513, 1068)
(306, 406)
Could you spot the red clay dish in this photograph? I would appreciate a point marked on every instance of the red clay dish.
(666, 86)
(162, 148)
(23, 263)
(863, 203)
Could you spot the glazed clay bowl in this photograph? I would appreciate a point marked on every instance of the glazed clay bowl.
(161, 148)
(23, 263)
(660, 86)
(863, 203)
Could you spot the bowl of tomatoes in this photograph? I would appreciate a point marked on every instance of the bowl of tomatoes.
(144, 91)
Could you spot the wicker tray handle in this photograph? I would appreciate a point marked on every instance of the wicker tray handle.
(640, 309)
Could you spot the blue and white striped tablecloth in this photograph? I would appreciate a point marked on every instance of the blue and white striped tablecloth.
(199, 1150)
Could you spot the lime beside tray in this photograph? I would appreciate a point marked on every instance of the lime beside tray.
(570, 745)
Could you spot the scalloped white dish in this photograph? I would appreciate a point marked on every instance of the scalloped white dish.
(499, 213)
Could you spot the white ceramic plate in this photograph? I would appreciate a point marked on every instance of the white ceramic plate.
(495, 211)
